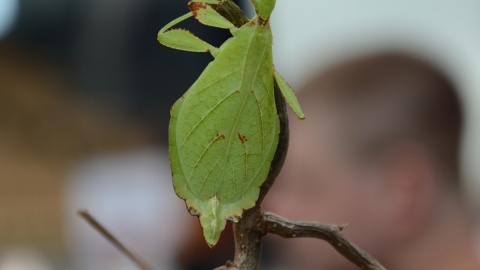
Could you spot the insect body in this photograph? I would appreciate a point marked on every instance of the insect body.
(224, 130)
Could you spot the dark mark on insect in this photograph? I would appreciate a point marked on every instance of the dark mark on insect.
(242, 138)
(195, 6)
(219, 137)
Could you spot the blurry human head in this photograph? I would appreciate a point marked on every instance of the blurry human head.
(391, 98)
(378, 150)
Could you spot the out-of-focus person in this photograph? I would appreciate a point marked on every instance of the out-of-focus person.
(379, 151)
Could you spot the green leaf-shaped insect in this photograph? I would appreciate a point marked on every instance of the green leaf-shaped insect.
(224, 130)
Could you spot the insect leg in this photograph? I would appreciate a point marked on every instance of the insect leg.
(181, 39)
(289, 95)
(208, 15)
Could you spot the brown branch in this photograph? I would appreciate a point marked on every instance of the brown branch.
(112, 239)
(248, 233)
(330, 233)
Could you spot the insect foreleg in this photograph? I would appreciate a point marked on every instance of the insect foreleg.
(181, 39)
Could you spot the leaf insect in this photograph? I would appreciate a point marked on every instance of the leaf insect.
(224, 130)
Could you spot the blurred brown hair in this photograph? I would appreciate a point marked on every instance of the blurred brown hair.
(392, 97)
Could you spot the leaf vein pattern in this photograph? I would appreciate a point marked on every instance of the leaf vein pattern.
(206, 114)
(201, 156)
(243, 104)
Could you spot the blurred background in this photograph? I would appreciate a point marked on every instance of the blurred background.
(445, 32)
(85, 92)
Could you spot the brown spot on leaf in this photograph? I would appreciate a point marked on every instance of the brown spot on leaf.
(237, 91)
(196, 6)
(242, 138)
(219, 137)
